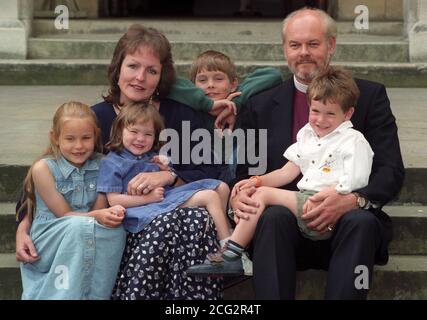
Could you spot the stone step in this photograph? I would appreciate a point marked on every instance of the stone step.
(403, 278)
(409, 222)
(204, 28)
(7, 227)
(10, 278)
(101, 46)
(93, 72)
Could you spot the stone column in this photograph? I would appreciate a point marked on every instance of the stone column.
(15, 28)
(415, 15)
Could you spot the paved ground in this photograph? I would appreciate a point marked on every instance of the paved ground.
(26, 113)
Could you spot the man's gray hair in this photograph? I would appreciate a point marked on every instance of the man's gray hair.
(331, 25)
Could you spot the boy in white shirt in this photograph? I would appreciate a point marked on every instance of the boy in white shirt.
(326, 153)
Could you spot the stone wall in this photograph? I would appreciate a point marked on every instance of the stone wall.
(15, 28)
(416, 28)
(90, 7)
(379, 10)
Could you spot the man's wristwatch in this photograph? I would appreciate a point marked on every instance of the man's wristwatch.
(362, 202)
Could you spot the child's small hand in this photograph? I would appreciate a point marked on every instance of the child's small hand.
(225, 119)
(118, 210)
(110, 217)
(162, 161)
(243, 184)
(246, 184)
(232, 95)
(222, 104)
(156, 195)
(251, 183)
(25, 250)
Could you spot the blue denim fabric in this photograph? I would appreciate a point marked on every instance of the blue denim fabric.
(79, 258)
(117, 169)
(77, 185)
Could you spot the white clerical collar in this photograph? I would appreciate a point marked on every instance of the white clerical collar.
(300, 86)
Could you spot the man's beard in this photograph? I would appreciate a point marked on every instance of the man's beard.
(307, 76)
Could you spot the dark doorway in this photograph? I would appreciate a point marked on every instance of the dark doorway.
(205, 8)
(161, 7)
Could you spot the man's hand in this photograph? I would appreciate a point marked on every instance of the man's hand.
(310, 205)
(326, 207)
(243, 205)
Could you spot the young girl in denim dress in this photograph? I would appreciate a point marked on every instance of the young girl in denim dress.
(78, 239)
(133, 149)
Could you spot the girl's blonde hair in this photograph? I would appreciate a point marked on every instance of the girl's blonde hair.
(131, 114)
(69, 110)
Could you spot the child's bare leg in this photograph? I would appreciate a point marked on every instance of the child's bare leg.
(224, 192)
(278, 197)
(211, 200)
(245, 229)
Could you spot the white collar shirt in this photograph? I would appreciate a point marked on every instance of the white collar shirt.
(300, 86)
(343, 159)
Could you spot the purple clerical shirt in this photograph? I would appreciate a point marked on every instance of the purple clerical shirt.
(300, 113)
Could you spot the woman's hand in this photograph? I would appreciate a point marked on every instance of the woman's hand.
(145, 182)
(110, 217)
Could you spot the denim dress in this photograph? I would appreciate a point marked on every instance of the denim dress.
(117, 169)
(79, 258)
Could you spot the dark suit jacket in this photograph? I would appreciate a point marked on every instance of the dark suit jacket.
(273, 110)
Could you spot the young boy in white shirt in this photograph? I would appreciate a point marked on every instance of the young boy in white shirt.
(326, 153)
